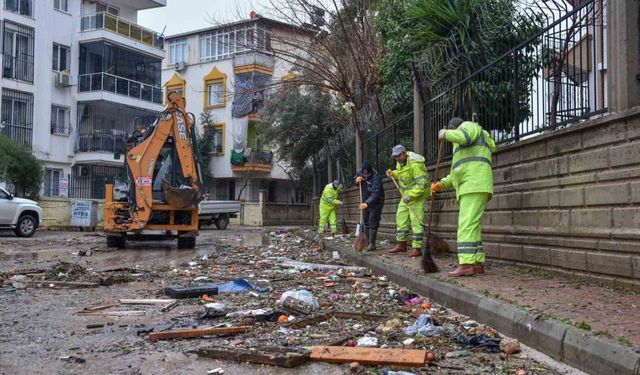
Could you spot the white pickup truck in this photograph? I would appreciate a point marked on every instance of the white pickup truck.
(23, 216)
(217, 212)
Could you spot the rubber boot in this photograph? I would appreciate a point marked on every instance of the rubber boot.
(366, 232)
(373, 233)
(462, 270)
(417, 252)
(401, 247)
(478, 268)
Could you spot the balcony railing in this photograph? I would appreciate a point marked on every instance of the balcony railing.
(260, 161)
(119, 85)
(120, 26)
(19, 133)
(18, 68)
(101, 142)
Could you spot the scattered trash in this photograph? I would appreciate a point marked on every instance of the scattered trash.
(205, 257)
(390, 326)
(458, 354)
(216, 371)
(480, 341)
(510, 346)
(201, 278)
(335, 255)
(390, 372)
(206, 298)
(301, 296)
(238, 286)
(368, 342)
(72, 358)
(191, 291)
(243, 313)
(408, 342)
(424, 326)
(8, 288)
(413, 301)
(185, 333)
(431, 357)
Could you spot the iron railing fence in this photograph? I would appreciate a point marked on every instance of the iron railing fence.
(118, 25)
(378, 146)
(19, 133)
(87, 180)
(18, 68)
(553, 79)
(119, 85)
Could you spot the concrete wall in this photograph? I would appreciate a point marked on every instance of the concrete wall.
(568, 199)
(286, 214)
(56, 212)
(251, 214)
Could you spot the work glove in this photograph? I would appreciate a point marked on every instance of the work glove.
(406, 199)
(389, 173)
(339, 203)
(363, 206)
(359, 179)
(436, 187)
(441, 133)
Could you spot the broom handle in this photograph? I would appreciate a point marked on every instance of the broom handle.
(435, 177)
(361, 212)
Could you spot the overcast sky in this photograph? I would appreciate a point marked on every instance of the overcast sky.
(187, 15)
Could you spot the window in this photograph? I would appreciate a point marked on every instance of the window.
(4, 194)
(61, 58)
(217, 139)
(52, 179)
(176, 84)
(223, 43)
(18, 52)
(17, 116)
(215, 89)
(60, 124)
(106, 8)
(178, 51)
(62, 5)
(23, 7)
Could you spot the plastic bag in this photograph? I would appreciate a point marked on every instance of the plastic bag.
(303, 296)
(238, 286)
(424, 326)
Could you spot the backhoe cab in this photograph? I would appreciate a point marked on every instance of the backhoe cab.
(163, 182)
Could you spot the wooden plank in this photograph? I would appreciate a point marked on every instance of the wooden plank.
(98, 307)
(282, 357)
(114, 313)
(184, 333)
(61, 283)
(369, 356)
(146, 301)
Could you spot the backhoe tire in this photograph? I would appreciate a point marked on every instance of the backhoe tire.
(186, 242)
(116, 241)
(222, 222)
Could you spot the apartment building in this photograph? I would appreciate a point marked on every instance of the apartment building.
(227, 70)
(77, 76)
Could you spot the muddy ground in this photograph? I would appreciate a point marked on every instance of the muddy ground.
(42, 331)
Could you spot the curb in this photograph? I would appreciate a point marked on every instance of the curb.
(560, 341)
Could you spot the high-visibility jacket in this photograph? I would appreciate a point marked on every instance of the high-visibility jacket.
(329, 197)
(471, 165)
(412, 176)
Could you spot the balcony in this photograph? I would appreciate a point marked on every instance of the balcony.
(125, 28)
(118, 85)
(253, 62)
(254, 161)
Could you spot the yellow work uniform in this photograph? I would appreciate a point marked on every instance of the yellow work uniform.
(413, 179)
(328, 203)
(472, 178)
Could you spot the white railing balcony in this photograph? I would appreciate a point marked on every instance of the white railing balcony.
(254, 58)
(120, 26)
(119, 85)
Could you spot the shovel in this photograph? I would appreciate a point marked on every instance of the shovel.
(361, 243)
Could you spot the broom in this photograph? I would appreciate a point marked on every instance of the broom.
(361, 242)
(433, 242)
(345, 227)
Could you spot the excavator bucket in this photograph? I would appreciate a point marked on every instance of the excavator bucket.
(183, 197)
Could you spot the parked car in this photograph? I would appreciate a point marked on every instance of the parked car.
(22, 215)
(217, 212)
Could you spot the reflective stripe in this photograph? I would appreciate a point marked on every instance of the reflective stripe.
(466, 136)
(463, 244)
(466, 250)
(481, 141)
(473, 158)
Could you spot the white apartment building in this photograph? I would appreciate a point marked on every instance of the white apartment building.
(77, 76)
(225, 70)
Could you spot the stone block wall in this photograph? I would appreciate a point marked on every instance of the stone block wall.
(568, 199)
(286, 214)
(56, 212)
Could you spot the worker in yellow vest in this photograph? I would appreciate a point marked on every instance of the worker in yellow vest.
(328, 203)
(472, 178)
(411, 174)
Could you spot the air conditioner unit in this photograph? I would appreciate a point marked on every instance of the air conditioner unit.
(180, 66)
(63, 79)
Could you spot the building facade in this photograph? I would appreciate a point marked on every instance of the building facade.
(97, 78)
(227, 71)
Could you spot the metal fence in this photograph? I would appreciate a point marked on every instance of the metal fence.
(87, 181)
(377, 147)
(16, 116)
(553, 79)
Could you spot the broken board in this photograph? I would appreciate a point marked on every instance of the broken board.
(281, 357)
(369, 356)
(186, 333)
